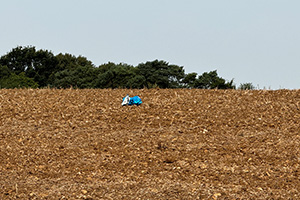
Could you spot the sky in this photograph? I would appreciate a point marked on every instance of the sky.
(250, 41)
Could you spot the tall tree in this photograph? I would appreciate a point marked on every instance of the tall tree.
(4, 72)
(9, 79)
(77, 77)
(74, 71)
(118, 76)
(189, 80)
(68, 61)
(161, 74)
(19, 59)
(211, 80)
(38, 65)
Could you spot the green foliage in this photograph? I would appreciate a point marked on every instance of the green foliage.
(77, 77)
(4, 72)
(44, 65)
(160, 73)
(136, 82)
(68, 61)
(28, 67)
(175, 75)
(38, 65)
(189, 80)
(17, 81)
(18, 59)
(9, 79)
(72, 71)
(246, 86)
(211, 80)
(118, 76)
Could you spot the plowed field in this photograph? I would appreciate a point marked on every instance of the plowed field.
(178, 144)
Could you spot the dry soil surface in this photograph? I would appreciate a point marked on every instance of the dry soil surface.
(178, 144)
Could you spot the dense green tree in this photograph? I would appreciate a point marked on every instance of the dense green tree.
(118, 76)
(17, 81)
(18, 59)
(74, 71)
(136, 82)
(26, 64)
(38, 65)
(68, 61)
(161, 74)
(211, 80)
(176, 75)
(77, 77)
(9, 79)
(44, 66)
(189, 80)
(4, 72)
(106, 67)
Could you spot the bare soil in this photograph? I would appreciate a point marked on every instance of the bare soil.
(178, 144)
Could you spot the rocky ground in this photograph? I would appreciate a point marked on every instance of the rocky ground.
(179, 144)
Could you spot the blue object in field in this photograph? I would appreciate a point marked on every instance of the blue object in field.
(136, 100)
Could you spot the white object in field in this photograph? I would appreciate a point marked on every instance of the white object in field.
(126, 100)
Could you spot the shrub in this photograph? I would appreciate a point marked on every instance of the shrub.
(246, 86)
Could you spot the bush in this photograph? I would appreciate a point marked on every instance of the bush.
(246, 86)
(17, 81)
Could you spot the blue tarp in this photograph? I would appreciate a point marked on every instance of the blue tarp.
(136, 100)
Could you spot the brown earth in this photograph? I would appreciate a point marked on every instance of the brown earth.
(179, 144)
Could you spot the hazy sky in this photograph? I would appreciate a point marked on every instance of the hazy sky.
(255, 41)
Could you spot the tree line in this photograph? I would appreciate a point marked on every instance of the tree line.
(26, 67)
